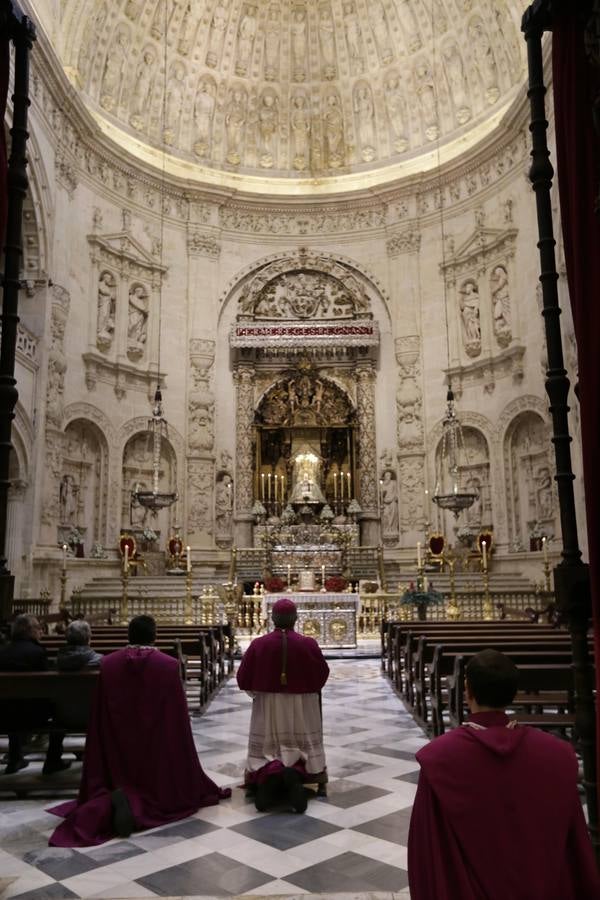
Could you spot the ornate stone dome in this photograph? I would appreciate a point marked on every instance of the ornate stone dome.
(307, 90)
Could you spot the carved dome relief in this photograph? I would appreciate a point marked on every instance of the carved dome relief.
(294, 89)
(305, 294)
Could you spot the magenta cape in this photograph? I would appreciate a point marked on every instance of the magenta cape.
(497, 815)
(260, 669)
(140, 740)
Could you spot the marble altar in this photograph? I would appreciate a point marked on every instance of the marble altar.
(330, 618)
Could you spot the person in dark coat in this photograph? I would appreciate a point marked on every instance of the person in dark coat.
(24, 653)
(77, 653)
(497, 813)
(141, 766)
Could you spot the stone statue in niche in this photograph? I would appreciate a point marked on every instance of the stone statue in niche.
(409, 24)
(456, 81)
(113, 72)
(365, 118)
(137, 326)
(216, 36)
(298, 29)
(380, 30)
(501, 305)
(396, 112)
(90, 40)
(473, 513)
(334, 131)
(268, 122)
(327, 41)
(390, 519)
(223, 506)
(543, 493)
(426, 93)
(204, 109)
(67, 500)
(300, 126)
(245, 41)
(471, 325)
(353, 38)
(158, 29)
(142, 90)
(484, 57)
(174, 103)
(187, 31)
(107, 300)
(235, 120)
(272, 42)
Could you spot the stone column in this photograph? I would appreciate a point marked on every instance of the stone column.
(244, 461)
(367, 453)
(411, 445)
(200, 444)
(14, 525)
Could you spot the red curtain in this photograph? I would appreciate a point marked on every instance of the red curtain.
(4, 70)
(576, 84)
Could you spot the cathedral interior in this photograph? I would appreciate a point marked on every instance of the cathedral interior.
(303, 222)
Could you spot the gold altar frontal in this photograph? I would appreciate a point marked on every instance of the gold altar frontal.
(329, 618)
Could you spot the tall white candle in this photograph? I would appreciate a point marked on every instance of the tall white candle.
(418, 554)
(545, 548)
(126, 558)
(188, 552)
(484, 555)
(341, 485)
(349, 490)
(262, 482)
(64, 561)
(425, 583)
(289, 581)
(323, 576)
(283, 488)
(335, 485)
(269, 489)
(276, 487)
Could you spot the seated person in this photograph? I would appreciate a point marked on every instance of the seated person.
(284, 673)
(77, 653)
(24, 653)
(497, 813)
(141, 767)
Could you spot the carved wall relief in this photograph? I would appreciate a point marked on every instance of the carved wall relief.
(142, 90)
(199, 492)
(83, 489)
(224, 507)
(201, 400)
(272, 43)
(137, 324)
(235, 124)
(424, 86)
(244, 426)
(365, 121)
(245, 39)
(455, 75)
(174, 103)
(389, 499)
(300, 125)
(57, 361)
(107, 302)
(218, 27)
(411, 448)
(484, 56)
(477, 479)
(204, 108)
(327, 42)
(333, 129)
(114, 69)
(395, 105)
(353, 39)
(268, 127)
(381, 33)
(187, 30)
(500, 295)
(298, 30)
(470, 317)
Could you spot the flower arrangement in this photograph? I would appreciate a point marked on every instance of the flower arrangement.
(417, 596)
(149, 535)
(274, 584)
(335, 584)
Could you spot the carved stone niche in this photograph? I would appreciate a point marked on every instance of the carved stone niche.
(124, 323)
(483, 345)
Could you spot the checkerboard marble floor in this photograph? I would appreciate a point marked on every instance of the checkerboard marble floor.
(353, 842)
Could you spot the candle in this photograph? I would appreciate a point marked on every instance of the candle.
(341, 485)
(283, 488)
(545, 549)
(289, 581)
(323, 575)
(335, 485)
(484, 556)
(349, 491)
(126, 558)
(262, 482)
(418, 554)
(188, 553)
(269, 489)
(425, 583)
(64, 561)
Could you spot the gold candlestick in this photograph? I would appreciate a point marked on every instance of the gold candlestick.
(452, 609)
(124, 611)
(488, 609)
(547, 575)
(188, 611)
(63, 587)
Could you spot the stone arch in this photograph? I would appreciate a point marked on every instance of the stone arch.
(319, 261)
(84, 478)
(134, 438)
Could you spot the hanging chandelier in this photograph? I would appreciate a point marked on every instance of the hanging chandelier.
(156, 500)
(448, 493)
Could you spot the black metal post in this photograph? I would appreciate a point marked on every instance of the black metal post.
(571, 576)
(21, 33)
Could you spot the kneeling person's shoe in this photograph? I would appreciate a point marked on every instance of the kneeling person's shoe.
(58, 765)
(269, 793)
(15, 765)
(296, 794)
(122, 817)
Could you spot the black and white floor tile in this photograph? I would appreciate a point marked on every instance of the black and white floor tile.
(352, 843)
